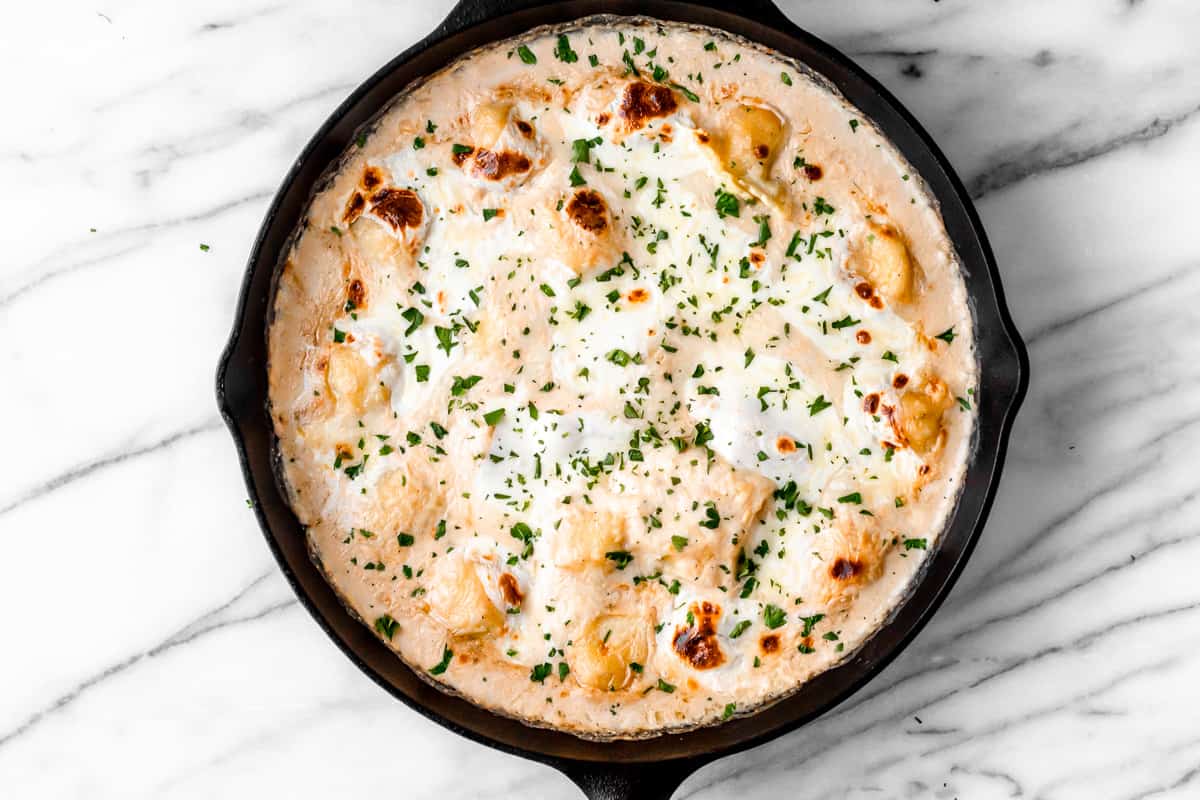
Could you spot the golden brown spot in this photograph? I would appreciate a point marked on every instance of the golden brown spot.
(785, 444)
(371, 178)
(460, 157)
(354, 207)
(844, 569)
(400, 208)
(876, 302)
(769, 643)
(511, 590)
(698, 644)
(864, 290)
(761, 151)
(890, 445)
(924, 469)
(871, 403)
(603, 119)
(356, 294)
(343, 451)
(642, 102)
(638, 296)
(812, 172)
(757, 256)
(900, 381)
(497, 166)
(863, 337)
(588, 210)
(525, 128)
(702, 137)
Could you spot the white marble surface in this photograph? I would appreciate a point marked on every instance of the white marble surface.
(150, 646)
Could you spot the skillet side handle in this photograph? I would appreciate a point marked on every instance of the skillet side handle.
(467, 13)
(616, 781)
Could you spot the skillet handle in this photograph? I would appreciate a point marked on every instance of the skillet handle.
(616, 781)
(468, 13)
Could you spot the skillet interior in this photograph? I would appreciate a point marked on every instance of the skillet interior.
(657, 765)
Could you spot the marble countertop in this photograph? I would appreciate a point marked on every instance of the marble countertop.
(151, 646)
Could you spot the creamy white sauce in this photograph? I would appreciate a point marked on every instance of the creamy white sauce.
(627, 425)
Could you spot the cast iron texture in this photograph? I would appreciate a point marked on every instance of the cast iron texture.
(650, 768)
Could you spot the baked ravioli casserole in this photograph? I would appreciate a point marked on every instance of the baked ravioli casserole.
(623, 377)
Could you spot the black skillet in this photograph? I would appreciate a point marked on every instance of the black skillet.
(650, 768)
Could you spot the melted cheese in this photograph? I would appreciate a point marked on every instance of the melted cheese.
(586, 383)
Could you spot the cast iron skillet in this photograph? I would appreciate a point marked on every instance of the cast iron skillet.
(650, 768)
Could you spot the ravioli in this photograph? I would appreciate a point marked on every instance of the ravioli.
(623, 377)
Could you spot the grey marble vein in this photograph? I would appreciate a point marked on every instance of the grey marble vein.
(55, 273)
(89, 468)
(1049, 155)
(202, 625)
(1034, 337)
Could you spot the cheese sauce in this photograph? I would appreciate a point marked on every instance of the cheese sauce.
(623, 376)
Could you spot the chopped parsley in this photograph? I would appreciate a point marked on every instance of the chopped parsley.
(764, 230)
(386, 626)
(818, 405)
(445, 337)
(441, 666)
(774, 616)
(810, 623)
(620, 558)
(728, 205)
(686, 92)
(563, 51)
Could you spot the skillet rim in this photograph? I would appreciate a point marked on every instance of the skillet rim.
(926, 595)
